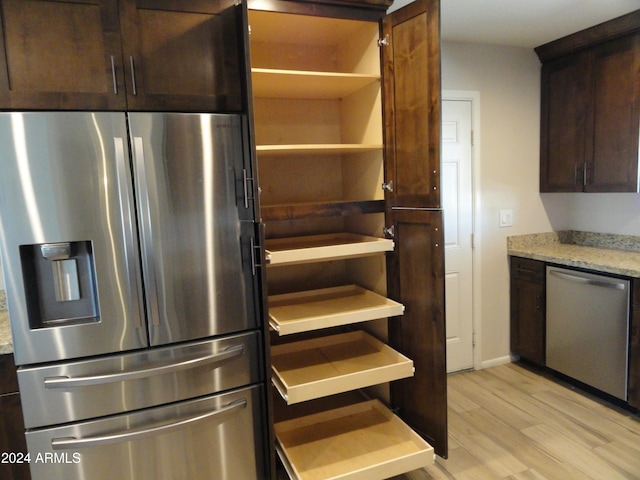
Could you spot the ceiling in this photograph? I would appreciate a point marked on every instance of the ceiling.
(523, 23)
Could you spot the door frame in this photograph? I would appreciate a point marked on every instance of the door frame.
(476, 322)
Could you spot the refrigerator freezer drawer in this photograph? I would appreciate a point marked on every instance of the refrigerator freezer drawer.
(216, 437)
(79, 390)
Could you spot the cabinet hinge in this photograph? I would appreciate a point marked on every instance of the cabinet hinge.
(248, 189)
(383, 42)
(255, 256)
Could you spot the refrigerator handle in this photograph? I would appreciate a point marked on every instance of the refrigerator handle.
(67, 382)
(146, 226)
(72, 443)
(124, 190)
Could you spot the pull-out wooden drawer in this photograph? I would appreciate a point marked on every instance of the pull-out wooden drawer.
(315, 248)
(364, 441)
(328, 307)
(338, 363)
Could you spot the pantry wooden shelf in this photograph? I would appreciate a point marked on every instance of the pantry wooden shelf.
(364, 441)
(328, 307)
(295, 211)
(315, 248)
(325, 366)
(275, 83)
(317, 149)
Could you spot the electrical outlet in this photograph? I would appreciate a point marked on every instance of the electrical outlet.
(506, 218)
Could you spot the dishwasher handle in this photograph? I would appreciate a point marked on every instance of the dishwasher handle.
(589, 281)
(73, 443)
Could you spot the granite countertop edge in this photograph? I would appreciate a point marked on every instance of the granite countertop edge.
(571, 249)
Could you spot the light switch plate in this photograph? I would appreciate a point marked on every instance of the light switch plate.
(506, 218)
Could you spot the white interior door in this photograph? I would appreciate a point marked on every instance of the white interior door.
(457, 200)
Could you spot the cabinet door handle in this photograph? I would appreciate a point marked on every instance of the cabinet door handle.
(527, 270)
(113, 75)
(133, 75)
(584, 174)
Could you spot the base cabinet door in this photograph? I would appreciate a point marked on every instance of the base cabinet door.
(13, 446)
(528, 309)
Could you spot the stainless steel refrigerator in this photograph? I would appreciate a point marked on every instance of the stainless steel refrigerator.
(128, 244)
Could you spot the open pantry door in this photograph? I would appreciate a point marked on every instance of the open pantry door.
(411, 108)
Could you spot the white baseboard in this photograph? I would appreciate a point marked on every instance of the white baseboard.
(494, 362)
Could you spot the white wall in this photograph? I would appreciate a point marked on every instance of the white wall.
(597, 212)
(507, 171)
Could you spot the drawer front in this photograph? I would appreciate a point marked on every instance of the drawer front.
(527, 269)
(108, 385)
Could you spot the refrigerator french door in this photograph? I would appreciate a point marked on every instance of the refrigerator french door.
(127, 243)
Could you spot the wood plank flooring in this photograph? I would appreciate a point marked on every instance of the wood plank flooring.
(509, 422)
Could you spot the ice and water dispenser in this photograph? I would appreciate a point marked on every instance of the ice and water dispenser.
(60, 284)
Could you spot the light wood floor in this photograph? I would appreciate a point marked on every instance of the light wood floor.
(507, 422)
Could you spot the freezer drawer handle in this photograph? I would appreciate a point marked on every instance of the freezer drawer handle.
(68, 382)
(72, 443)
(588, 281)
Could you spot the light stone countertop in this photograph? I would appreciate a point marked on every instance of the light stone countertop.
(6, 343)
(597, 252)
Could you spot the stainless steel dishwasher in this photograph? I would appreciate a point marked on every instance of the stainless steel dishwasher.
(588, 328)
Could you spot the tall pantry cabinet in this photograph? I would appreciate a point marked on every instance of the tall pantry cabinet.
(346, 110)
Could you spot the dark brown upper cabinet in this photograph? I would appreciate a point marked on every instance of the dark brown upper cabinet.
(110, 55)
(590, 111)
(60, 55)
(181, 55)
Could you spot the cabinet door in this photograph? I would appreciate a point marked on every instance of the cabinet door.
(564, 110)
(411, 104)
(612, 165)
(181, 55)
(12, 439)
(60, 55)
(416, 279)
(527, 320)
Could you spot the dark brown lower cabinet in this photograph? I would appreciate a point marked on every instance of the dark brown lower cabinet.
(633, 395)
(528, 309)
(12, 441)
